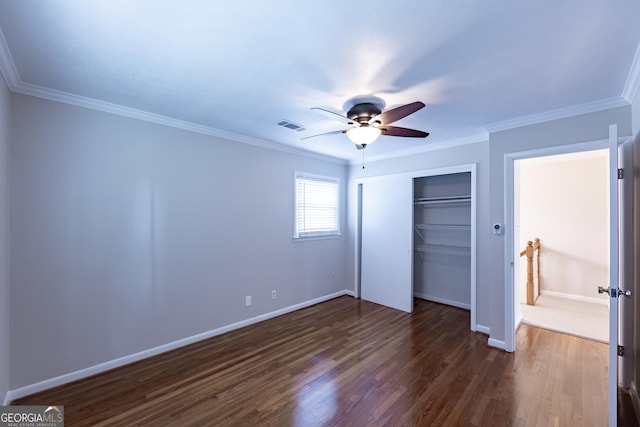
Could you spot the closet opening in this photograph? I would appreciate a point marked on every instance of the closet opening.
(442, 263)
(416, 237)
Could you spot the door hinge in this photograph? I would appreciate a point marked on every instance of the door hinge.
(620, 351)
(620, 173)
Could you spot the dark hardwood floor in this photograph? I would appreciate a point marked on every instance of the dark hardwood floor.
(347, 362)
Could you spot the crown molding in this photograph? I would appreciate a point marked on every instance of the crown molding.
(632, 85)
(7, 66)
(15, 84)
(94, 104)
(562, 113)
(449, 143)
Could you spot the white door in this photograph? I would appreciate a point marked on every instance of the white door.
(387, 241)
(626, 267)
(614, 268)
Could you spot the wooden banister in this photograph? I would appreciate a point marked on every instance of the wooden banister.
(532, 293)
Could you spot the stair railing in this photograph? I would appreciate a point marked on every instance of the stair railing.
(532, 250)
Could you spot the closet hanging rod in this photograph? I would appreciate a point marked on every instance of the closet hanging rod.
(441, 200)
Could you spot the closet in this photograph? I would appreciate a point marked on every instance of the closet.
(416, 238)
(442, 239)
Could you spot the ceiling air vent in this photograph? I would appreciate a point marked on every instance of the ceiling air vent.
(290, 125)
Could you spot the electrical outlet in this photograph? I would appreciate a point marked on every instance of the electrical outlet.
(247, 301)
(274, 294)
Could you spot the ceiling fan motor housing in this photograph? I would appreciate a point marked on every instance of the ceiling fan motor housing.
(362, 113)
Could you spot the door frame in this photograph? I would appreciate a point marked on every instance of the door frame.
(471, 167)
(509, 218)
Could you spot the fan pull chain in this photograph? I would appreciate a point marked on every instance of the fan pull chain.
(363, 159)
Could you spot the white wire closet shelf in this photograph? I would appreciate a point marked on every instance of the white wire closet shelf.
(443, 250)
(422, 229)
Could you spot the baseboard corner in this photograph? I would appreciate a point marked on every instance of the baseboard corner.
(483, 329)
(492, 342)
(8, 398)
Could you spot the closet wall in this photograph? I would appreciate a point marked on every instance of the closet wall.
(442, 239)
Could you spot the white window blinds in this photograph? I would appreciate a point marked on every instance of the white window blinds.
(317, 206)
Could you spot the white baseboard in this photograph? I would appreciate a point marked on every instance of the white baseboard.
(592, 300)
(102, 367)
(518, 320)
(496, 343)
(442, 301)
(483, 329)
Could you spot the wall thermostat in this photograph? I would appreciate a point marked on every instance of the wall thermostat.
(497, 229)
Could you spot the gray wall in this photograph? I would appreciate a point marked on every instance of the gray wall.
(128, 235)
(460, 155)
(5, 97)
(577, 129)
(119, 227)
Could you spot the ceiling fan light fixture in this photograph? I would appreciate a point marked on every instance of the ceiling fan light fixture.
(363, 135)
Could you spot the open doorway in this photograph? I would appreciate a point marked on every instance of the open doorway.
(563, 201)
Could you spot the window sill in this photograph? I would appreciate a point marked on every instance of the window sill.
(327, 237)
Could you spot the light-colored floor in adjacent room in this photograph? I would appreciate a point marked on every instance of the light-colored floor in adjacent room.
(581, 319)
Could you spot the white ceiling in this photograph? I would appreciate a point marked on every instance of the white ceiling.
(238, 68)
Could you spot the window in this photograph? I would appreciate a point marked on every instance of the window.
(317, 206)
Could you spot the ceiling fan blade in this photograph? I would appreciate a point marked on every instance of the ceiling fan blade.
(397, 113)
(397, 131)
(335, 116)
(324, 134)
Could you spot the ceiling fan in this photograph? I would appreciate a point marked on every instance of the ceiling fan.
(368, 121)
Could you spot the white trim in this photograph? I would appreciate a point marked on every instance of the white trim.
(483, 329)
(592, 300)
(614, 267)
(357, 241)
(474, 251)
(472, 168)
(107, 107)
(632, 85)
(518, 321)
(7, 66)
(561, 113)
(442, 301)
(498, 344)
(431, 146)
(311, 238)
(125, 360)
(420, 173)
(15, 84)
(509, 159)
(298, 175)
(508, 221)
